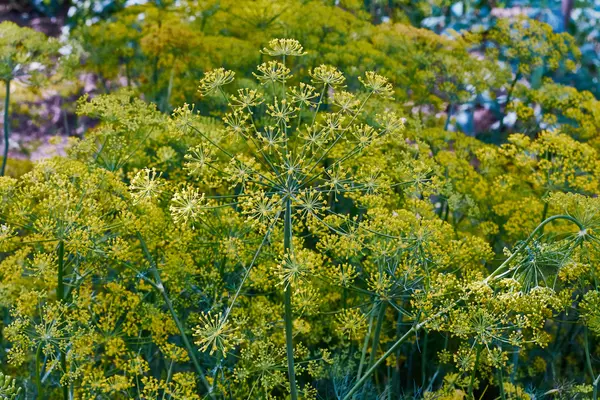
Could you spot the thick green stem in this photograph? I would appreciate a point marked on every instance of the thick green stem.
(38, 371)
(363, 355)
(289, 318)
(588, 359)
(161, 289)
(545, 211)
(472, 382)
(376, 335)
(501, 383)
(529, 239)
(424, 359)
(447, 124)
(6, 128)
(515, 364)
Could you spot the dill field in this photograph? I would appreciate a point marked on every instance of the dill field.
(299, 199)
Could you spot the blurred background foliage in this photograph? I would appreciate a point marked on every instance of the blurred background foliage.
(162, 48)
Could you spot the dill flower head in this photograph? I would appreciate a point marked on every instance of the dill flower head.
(272, 138)
(182, 117)
(381, 284)
(198, 159)
(236, 122)
(346, 101)
(145, 185)
(590, 311)
(284, 47)
(389, 122)
(377, 84)
(214, 80)
(272, 72)
(187, 205)
(214, 334)
(261, 209)
(282, 112)
(303, 94)
(291, 269)
(50, 331)
(310, 203)
(352, 323)
(247, 98)
(327, 75)
(364, 135)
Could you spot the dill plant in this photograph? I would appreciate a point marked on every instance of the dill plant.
(283, 183)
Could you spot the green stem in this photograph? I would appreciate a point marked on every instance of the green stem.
(6, 128)
(588, 359)
(447, 124)
(545, 212)
(60, 288)
(38, 371)
(376, 335)
(595, 384)
(529, 239)
(472, 382)
(60, 294)
(380, 361)
(515, 368)
(161, 289)
(363, 355)
(501, 383)
(424, 359)
(289, 336)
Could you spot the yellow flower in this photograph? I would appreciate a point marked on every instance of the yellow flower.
(214, 80)
(284, 47)
(214, 334)
(187, 205)
(146, 185)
